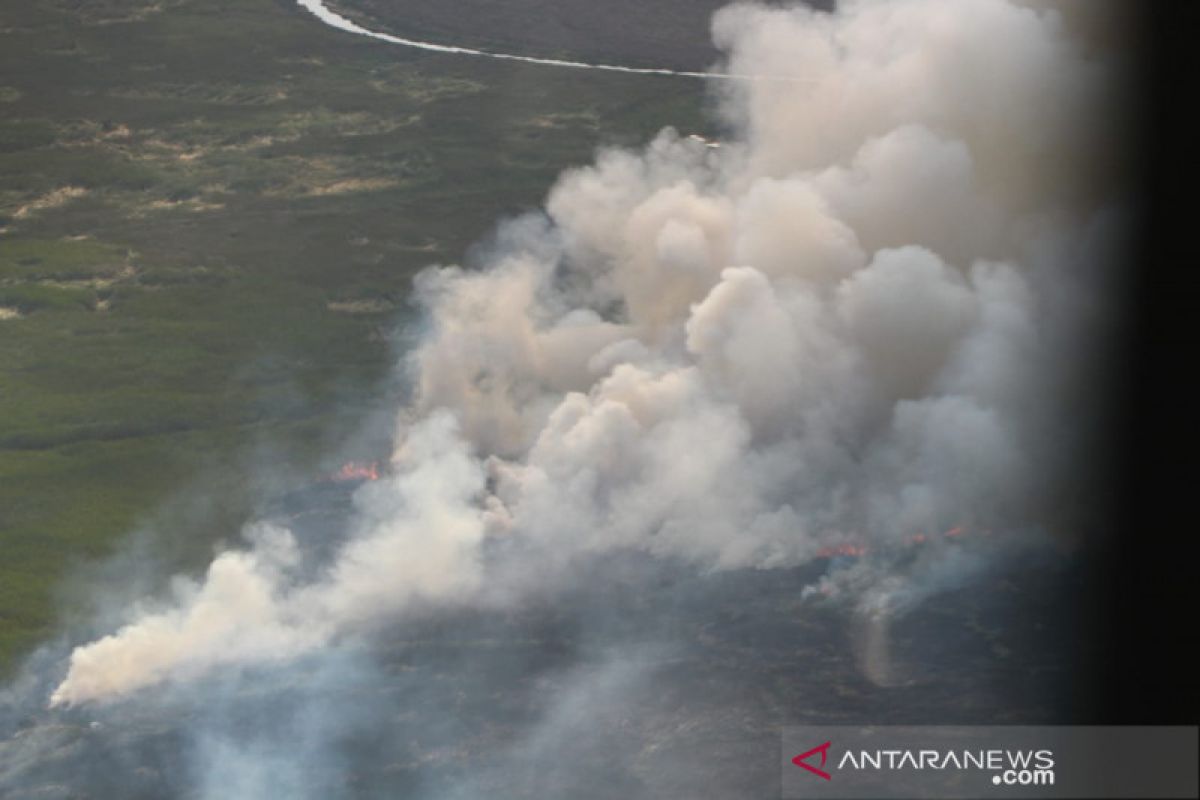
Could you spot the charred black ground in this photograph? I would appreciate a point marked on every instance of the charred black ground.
(666, 669)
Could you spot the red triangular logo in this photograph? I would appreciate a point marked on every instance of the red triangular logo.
(823, 749)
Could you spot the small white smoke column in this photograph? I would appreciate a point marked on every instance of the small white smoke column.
(835, 324)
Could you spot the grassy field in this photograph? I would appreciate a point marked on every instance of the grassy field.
(210, 214)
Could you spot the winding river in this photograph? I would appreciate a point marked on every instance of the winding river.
(322, 12)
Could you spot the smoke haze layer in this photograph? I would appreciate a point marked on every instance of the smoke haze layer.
(862, 318)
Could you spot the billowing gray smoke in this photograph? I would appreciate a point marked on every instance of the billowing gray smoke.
(845, 324)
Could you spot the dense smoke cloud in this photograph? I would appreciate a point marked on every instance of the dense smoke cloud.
(839, 326)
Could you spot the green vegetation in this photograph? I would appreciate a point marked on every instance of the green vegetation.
(210, 213)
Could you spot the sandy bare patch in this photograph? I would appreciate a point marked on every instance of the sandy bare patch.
(99, 14)
(121, 131)
(336, 187)
(342, 123)
(137, 15)
(125, 274)
(308, 61)
(195, 205)
(218, 93)
(424, 247)
(422, 88)
(163, 150)
(8, 312)
(374, 306)
(565, 120)
(52, 199)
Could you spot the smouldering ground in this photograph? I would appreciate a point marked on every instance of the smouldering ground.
(643, 679)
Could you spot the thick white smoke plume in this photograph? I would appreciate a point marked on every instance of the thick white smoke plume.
(842, 325)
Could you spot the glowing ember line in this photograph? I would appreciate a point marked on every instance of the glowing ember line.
(357, 471)
(853, 550)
